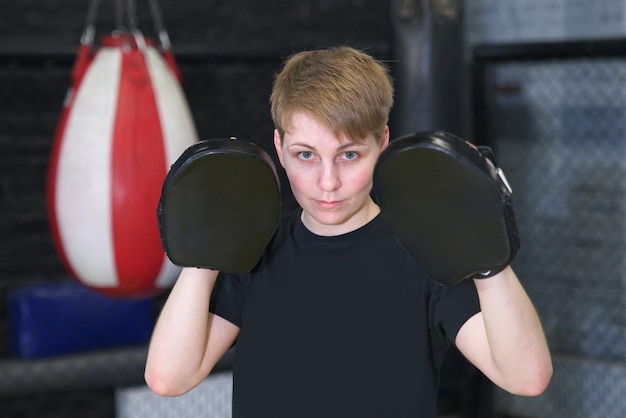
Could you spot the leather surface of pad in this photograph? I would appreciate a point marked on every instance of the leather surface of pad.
(219, 206)
(448, 206)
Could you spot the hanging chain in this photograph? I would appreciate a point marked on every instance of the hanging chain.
(119, 16)
(125, 16)
(126, 22)
(90, 24)
(131, 15)
(159, 26)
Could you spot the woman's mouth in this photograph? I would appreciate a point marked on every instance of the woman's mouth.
(326, 204)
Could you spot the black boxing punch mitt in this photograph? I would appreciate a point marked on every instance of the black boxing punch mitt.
(448, 204)
(219, 206)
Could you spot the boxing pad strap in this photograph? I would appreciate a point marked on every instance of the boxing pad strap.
(496, 172)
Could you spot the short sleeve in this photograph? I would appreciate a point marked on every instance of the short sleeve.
(227, 298)
(452, 306)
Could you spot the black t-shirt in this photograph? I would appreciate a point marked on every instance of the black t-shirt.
(341, 326)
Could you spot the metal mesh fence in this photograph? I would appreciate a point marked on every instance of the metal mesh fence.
(559, 132)
(211, 398)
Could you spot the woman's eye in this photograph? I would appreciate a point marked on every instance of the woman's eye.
(306, 155)
(350, 155)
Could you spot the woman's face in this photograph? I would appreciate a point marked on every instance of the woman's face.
(330, 176)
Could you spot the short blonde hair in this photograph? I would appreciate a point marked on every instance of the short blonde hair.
(345, 89)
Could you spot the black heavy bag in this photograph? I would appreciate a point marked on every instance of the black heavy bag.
(219, 206)
(448, 204)
(428, 49)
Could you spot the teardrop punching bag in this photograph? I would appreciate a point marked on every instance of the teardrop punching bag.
(125, 120)
(432, 75)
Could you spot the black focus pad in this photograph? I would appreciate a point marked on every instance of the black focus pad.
(448, 204)
(219, 206)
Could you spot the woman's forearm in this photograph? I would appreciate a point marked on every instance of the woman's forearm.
(178, 344)
(514, 333)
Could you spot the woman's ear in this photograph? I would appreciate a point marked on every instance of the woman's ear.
(385, 140)
(278, 144)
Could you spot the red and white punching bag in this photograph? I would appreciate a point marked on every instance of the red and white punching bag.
(124, 122)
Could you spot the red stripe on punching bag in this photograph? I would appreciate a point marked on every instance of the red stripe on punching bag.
(138, 170)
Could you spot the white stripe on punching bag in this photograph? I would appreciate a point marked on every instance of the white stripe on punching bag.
(177, 125)
(178, 129)
(83, 198)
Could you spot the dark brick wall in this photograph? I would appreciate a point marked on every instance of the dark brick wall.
(211, 23)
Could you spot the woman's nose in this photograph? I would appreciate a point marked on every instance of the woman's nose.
(329, 178)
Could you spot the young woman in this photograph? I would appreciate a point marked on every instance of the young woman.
(337, 319)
